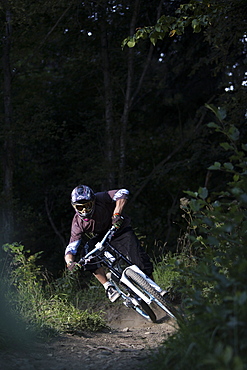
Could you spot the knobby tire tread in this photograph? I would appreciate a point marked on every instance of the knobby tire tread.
(141, 282)
(143, 305)
(146, 308)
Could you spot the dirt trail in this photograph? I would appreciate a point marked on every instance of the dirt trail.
(127, 344)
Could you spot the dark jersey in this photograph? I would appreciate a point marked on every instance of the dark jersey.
(101, 220)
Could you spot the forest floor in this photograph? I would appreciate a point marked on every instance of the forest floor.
(127, 343)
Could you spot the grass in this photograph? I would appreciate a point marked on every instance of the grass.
(31, 307)
(39, 308)
(14, 332)
(213, 334)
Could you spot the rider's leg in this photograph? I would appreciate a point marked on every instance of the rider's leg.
(100, 275)
(128, 244)
(111, 292)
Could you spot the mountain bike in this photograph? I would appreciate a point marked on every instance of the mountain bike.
(136, 289)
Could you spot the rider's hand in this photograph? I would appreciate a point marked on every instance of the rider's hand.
(71, 265)
(117, 220)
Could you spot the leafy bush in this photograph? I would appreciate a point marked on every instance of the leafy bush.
(166, 276)
(36, 303)
(13, 329)
(214, 333)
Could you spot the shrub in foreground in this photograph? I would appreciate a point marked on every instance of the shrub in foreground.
(32, 305)
(214, 333)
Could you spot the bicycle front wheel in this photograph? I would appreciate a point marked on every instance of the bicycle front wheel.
(148, 290)
(145, 310)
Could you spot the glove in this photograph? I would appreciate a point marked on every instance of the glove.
(71, 265)
(117, 220)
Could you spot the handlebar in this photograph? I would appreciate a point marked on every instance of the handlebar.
(100, 245)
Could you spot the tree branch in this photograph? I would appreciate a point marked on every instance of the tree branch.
(148, 60)
(175, 151)
(53, 28)
(44, 40)
(53, 224)
(129, 97)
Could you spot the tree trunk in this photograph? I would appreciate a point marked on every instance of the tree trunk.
(7, 201)
(126, 109)
(109, 151)
(130, 93)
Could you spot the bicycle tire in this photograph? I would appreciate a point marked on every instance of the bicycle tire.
(144, 285)
(142, 308)
(147, 310)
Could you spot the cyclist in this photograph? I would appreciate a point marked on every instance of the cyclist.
(95, 213)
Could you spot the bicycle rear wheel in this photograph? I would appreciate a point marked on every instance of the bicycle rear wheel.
(151, 292)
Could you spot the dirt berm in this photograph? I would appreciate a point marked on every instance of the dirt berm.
(126, 345)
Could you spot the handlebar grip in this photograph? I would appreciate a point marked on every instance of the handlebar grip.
(81, 261)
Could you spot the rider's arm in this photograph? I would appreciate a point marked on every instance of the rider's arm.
(70, 252)
(75, 241)
(69, 259)
(119, 206)
(120, 197)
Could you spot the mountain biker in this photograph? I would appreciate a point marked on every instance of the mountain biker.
(95, 213)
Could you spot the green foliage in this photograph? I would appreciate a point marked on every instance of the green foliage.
(14, 332)
(195, 14)
(80, 289)
(166, 275)
(40, 307)
(59, 111)
(62, 316)
(214, 334)
(24, 272)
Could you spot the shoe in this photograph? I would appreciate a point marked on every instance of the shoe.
(108, 275)
(112, 293)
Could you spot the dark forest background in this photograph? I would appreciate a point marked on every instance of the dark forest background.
(76, 108)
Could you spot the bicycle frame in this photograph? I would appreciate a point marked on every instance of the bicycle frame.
(104, 244)
(105, 247)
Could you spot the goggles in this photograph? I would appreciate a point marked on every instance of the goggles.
(83, 208)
